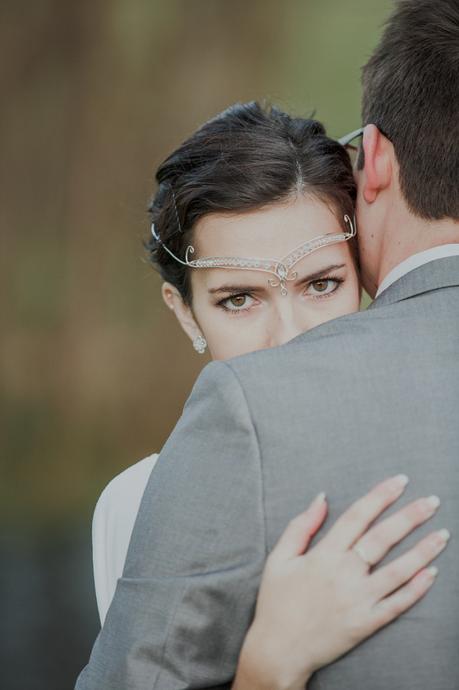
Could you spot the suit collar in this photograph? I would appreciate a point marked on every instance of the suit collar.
(434, 275)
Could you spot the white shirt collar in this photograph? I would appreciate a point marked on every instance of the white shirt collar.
(416, 260)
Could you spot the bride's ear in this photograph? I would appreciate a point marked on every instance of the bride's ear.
(174, 300)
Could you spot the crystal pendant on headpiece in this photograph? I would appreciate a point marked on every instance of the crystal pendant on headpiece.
(282, 272)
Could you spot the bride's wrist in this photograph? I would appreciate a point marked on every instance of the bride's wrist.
(262, 666)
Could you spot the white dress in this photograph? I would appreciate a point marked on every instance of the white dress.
(112, 525)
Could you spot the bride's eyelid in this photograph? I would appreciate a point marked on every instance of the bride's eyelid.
(306, 283)
(339, 280)
(222, 305)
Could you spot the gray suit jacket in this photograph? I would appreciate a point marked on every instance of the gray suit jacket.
(337, 409)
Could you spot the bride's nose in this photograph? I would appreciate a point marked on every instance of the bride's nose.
(286, 325)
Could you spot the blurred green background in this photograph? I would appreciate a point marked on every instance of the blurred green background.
(94, 370)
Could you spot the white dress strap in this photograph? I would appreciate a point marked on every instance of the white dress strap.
(112, 525)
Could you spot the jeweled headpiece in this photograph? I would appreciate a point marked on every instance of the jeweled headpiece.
(281, 269)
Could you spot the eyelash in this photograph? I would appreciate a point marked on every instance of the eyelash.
(233, 312)
(336, 279)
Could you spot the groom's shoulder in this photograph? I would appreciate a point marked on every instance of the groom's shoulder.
(338, 347)
(353, 333)
(223, 375)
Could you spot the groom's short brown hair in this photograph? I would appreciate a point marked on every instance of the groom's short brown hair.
(411, 93)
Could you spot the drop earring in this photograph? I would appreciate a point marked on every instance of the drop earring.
(200, 344)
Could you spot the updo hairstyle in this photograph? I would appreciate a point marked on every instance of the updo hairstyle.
(245, 158)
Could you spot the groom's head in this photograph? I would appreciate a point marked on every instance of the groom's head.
(409, 168)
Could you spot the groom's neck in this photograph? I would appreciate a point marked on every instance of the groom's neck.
(406, 235)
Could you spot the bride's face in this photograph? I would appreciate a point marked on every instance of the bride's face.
(237, 310)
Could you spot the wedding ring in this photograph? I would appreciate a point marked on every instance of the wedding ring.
(358, 548)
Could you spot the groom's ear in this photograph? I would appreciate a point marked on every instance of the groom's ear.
(378, 163)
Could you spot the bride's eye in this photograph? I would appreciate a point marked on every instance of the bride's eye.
(323, 286)
(237, 302)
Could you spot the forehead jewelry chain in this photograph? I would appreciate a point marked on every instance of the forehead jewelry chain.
(281, 269)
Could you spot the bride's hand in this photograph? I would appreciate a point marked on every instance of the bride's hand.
(314, 607)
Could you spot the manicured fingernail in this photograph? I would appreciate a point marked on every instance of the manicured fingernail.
(320, 498)
(433, 502)
(444, 534)
(401, 479)
(432, 570)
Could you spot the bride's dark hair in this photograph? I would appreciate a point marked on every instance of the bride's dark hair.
(247, 157)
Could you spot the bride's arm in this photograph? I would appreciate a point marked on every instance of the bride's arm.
(313, 607)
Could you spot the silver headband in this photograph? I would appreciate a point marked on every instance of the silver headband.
(281, 269)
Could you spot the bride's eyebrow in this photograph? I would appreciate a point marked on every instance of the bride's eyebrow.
(318, 274)
(234, 288)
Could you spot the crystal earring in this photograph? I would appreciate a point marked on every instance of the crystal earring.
(200, 344)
